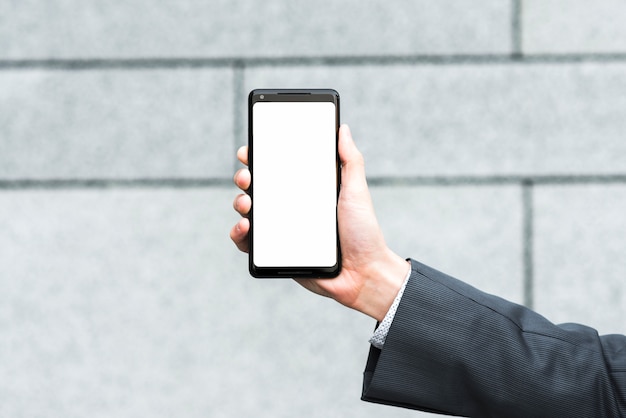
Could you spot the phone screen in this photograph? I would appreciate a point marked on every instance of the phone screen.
(294, 167)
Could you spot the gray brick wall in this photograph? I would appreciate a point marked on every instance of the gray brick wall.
(493, 132)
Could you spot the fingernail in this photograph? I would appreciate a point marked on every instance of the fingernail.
(347, 130)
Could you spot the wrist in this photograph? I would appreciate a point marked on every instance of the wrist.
(382, 281)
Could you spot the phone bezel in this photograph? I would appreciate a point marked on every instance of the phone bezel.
(291, 95)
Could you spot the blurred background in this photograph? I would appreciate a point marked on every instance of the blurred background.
(494, 139)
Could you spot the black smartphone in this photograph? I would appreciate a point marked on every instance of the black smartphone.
(295, 169)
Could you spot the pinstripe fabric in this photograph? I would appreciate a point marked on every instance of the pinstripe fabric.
(453, 349)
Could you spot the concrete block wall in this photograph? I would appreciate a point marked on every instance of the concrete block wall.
(494, 138)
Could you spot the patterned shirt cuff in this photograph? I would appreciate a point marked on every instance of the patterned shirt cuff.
(380, 335)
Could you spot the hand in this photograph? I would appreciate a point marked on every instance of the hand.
(371, 273)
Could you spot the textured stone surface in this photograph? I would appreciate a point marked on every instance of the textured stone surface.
(232, 28)
(500, 119)
(471, 233)
(112, 124)
(134, 303)
(573, 26)
(580, 236)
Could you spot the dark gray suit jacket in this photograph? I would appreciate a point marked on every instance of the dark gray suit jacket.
(455, 350)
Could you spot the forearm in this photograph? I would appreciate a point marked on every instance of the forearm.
(454, 349)
(381, 285)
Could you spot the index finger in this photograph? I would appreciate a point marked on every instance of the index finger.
(242, 154)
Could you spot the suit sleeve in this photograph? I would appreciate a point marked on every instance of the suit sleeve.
(454, 350)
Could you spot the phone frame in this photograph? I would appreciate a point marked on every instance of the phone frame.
(291, 95)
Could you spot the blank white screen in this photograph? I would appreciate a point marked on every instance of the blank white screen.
(294, 184)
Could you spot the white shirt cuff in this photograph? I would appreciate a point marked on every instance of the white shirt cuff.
(380, 335)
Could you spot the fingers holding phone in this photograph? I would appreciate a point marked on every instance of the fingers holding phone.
(242, 203)
(239, 234)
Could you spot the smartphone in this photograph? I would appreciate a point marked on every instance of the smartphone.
(295, 170)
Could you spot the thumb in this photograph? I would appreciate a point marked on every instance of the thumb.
(353, 166)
